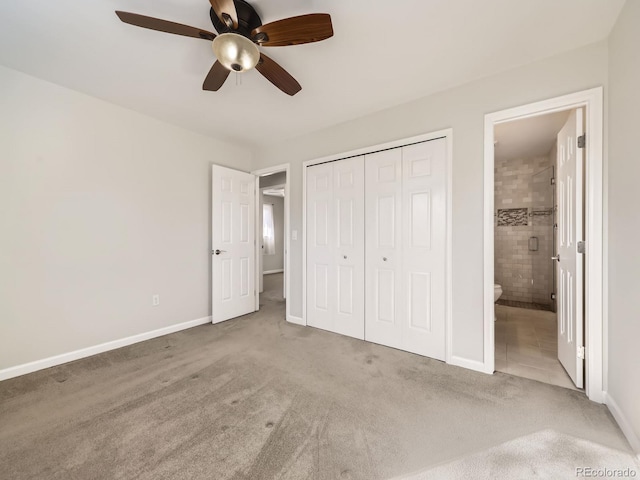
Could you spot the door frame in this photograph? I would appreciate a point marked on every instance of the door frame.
(285, 167)
(447, 134)
(595, 316)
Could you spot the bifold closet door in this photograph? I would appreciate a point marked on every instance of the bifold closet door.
(406, 248)
(335, 246)
(383, 214)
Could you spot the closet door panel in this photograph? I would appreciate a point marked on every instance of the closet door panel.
(383, 213)
(320, 259)
(348, 195)
(424, 236)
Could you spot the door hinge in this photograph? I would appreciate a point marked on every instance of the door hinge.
(552, 180)
(581, 247)
(581, 353)
(582, 140)
(553, 296)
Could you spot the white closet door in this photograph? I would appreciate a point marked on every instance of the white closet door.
(406, 248)
(320, 255)
(424, 246)
(348, 197)
(383, 213)
(335, 247)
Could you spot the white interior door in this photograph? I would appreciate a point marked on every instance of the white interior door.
(569, 193)
(383, 214)
(320, 257)
(335, 247)
(424, 222)
(233, 243)
(348, 198)
(406, 248)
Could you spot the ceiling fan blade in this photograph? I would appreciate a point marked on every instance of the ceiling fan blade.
(294, 31)
(277, 75)
(164, 26)
(225, 7)
(216, 77)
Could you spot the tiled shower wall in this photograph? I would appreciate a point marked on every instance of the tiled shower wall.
(523, 183)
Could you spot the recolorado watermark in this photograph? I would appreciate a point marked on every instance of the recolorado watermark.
(603, 472)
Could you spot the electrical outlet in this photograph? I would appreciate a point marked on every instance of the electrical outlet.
(155, 300)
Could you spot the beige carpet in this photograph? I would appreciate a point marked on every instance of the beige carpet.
(257, 398)
(543, 455)
(273, 288)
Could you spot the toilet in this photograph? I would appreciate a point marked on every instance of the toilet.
(497, 292)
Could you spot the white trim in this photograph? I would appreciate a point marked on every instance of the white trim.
(304, 244)
(595, 316)
(467, 363)
(296, 320)
(268, 272)
(382, 146)
(448, 135)
(287, 234)
(262, 189)
(101, 348)
(449, 358)
(624, 423)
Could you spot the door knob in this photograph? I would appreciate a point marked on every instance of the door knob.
(218, 252)
(556, 258)
(384, 259)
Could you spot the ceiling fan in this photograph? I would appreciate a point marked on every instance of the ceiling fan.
(240, 33)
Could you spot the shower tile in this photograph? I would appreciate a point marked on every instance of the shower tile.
(512, 217)
(525, 276)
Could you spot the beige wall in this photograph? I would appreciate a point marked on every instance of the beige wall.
(100, 208)
(462, 108)
(624, 219)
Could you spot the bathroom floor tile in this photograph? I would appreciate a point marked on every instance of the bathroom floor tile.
(527, 371)
(526, 345)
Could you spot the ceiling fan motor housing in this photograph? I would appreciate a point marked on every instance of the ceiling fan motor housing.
(248, 20)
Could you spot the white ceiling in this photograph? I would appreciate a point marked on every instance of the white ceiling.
(529, 137)
(382, 54)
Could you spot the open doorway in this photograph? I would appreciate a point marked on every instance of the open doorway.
(272, 207)
(272, 199)
(587, 352)
(531, 336)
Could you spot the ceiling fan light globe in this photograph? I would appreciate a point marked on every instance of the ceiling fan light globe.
(235, 52)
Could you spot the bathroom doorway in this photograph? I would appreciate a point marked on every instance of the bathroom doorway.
(543, 324)
(525, 202)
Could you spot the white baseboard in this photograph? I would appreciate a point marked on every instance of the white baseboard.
(624, 424)
(470, 364)
(103, 347)
(296, 320)
(267, 272)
